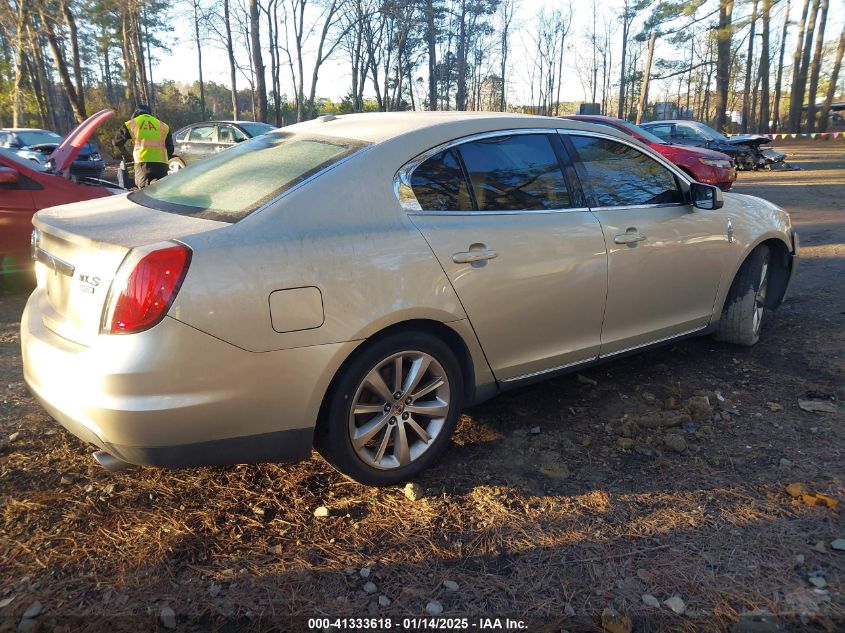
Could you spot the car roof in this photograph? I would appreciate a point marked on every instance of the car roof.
(378, 127)
(25, 129)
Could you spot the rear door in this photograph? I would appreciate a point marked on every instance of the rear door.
(665, 258)
(228, 135)
(199, 143)
(505, 218)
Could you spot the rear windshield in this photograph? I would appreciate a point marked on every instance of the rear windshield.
(256, 129)
(230, 185)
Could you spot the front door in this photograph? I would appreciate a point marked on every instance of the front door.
(665, 258)
(198, 144)
(524, 255)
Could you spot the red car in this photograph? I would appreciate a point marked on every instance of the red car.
(26, 187)
(704, 165)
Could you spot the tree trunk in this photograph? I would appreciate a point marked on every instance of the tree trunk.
(131, 93)
(805, 62)
(74, 51)
(61, 65)
(776, 110)
(794, 99)
(17, 93)
(198, 42)
(749, 64)
(461, 93)
(257, 62)
(816, 66)
(763, 125)
(431, 41)
(724, 35)
(230, 52)
(626, 25)
(646, 77)
(834, 79)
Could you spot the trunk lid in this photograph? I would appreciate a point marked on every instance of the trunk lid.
(79, 249)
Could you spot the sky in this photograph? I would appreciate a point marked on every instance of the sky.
(181, 63)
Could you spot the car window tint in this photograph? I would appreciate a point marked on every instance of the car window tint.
(623, 176)
(519, 172)
(225, 134)
(202, 133)
(663, 131)
(439, 185)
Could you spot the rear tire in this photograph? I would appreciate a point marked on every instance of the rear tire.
(745, 306)
(407, 389)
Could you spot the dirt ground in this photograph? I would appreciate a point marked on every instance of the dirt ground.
(556, 503)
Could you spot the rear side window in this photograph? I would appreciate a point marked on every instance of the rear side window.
(623, 176)
(439, 184)
(229, 185)
(519, 172)
(202, 133)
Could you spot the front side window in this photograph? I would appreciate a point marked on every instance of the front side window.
(689, 133)
(515, 173)
(623, 176)
(201, 133)
(439, 184)
(229, 185)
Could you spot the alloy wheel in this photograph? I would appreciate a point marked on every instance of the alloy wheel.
(399, 410)
(760, 296)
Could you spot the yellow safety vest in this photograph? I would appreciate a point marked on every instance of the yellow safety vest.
(148, 135)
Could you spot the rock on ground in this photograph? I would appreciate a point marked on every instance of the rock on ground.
(676, 604)
(613, 622)
(322, 511)
(33, 611)
(414, 491)
(168, 618)
(651, 600)
(434, 608)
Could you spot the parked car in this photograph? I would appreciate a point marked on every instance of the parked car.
(703, 165)
(745, 149)
(37, 145)
(26, 187)
(353, 282)
(206, 138)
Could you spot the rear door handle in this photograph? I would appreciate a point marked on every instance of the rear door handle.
(629, 238)
(468, 257)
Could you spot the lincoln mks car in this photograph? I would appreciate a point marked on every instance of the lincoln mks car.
(353, 282)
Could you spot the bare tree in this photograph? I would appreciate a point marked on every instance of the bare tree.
(749, 65)
(257, 61)
(834, 79)
(763, 124)
(784, 33)
(230, 53)
(794, 99)
(724, 35)
(816, 66)
(646, 77)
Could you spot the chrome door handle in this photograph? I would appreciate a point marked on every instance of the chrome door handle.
(629, 238)
(468, 257)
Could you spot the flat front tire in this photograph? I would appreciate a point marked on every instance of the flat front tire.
(745, 306)
(393, 409)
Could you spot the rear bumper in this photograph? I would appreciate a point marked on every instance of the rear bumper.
(175, 396)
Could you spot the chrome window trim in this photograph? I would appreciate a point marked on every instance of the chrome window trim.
(409, 203)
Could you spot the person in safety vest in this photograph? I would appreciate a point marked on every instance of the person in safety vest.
(152, 145)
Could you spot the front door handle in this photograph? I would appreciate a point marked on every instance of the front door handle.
(469, 257)
(629, 238)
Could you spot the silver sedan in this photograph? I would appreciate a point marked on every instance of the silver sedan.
(352, 282)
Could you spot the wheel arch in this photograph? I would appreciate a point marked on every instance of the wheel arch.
(781, 252)
(453, 334)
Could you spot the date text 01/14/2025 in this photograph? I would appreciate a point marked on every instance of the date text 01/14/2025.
(417, 624)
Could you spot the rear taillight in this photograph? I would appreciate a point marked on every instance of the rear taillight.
(142, 293)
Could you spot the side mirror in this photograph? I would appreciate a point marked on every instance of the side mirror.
(706, 197)
(9, 176)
